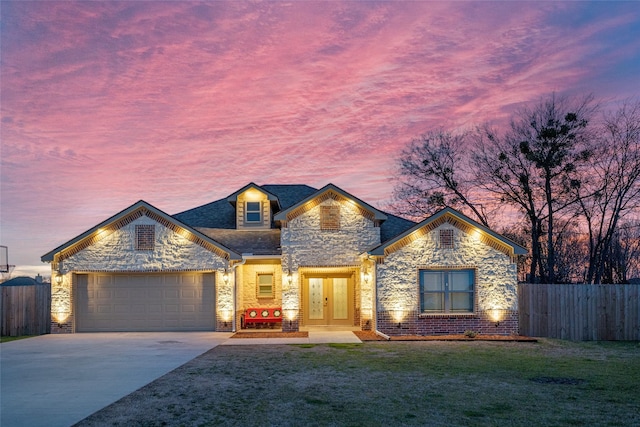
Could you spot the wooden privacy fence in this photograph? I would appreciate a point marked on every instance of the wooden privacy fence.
(25, 310)
(580, 312)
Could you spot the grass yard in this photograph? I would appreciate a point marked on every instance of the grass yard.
(4, 338)
(394, 383)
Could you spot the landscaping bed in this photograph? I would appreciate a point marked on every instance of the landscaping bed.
(372, 336)
(272, 334)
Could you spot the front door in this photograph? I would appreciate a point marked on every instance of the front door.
(328, 301)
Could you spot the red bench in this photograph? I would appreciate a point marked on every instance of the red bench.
(256, 316)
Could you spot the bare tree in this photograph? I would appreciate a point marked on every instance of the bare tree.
(614, 186)
(534, 166)
(434, 173)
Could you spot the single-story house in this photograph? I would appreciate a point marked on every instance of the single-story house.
(297, 255)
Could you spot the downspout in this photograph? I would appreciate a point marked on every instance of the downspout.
(235, 294)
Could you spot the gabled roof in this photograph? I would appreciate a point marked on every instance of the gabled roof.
(275, 202)
(221, 214)
(458, 220)
(128, 215)
(329, 191)
(393, 226)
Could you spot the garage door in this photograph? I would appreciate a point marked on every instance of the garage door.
(145, 302)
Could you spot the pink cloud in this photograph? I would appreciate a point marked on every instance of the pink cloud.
(180, 103)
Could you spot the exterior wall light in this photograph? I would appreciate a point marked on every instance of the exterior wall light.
(289, 278)
(366, 276)
(61, 315)
(226, 316)
(398, 315)
(225, 277)
(496, 316)
(290, 315)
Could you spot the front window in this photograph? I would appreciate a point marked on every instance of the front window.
(253, 212)
(447, 291)
(265, 285)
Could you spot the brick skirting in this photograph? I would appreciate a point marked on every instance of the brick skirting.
(415, 324)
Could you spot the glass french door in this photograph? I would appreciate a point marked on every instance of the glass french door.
(328, 301)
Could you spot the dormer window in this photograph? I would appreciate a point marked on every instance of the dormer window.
(253, 212)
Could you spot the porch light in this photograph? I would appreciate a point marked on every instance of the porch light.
(58, 278)
(289, 278)
(225, 277)
(366, 276)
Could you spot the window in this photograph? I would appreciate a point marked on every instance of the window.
(265, 285)
(253, 212)
(145, 237)
(446, 239)
(329, 217)
(447, 291)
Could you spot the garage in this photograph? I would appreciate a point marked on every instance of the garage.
(107, 302)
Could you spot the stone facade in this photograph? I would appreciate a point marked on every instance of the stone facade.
(327, 235)
(398, 286)
(116, 252)
(304, 244)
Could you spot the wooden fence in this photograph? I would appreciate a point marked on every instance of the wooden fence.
(25, 310)
(580, 312)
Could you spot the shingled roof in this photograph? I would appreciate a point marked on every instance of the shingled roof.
(217, 220)
(221, 214)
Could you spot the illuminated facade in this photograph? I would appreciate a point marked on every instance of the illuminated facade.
(321, 257)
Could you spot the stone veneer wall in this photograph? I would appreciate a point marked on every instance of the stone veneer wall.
(398, 287)
(305, 244)
(116, 252)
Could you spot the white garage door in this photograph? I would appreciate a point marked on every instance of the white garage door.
(145, 302)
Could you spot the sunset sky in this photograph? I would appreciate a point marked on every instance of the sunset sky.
(182, 103)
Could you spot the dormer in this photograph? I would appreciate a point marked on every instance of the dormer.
(254, 207)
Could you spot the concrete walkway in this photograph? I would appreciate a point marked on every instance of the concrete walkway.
(58, 380)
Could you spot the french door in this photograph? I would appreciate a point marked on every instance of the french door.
(328, 301)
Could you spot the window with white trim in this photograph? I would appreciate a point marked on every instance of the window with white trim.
(253, 212)
(265, 285)
(447, 291)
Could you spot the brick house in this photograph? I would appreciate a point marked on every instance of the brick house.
(313, 257)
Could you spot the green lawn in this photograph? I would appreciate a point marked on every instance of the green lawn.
(9, 339)
(394, 383)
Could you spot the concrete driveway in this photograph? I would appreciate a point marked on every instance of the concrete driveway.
(57, 380)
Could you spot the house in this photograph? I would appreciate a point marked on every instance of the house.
(318, 257)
